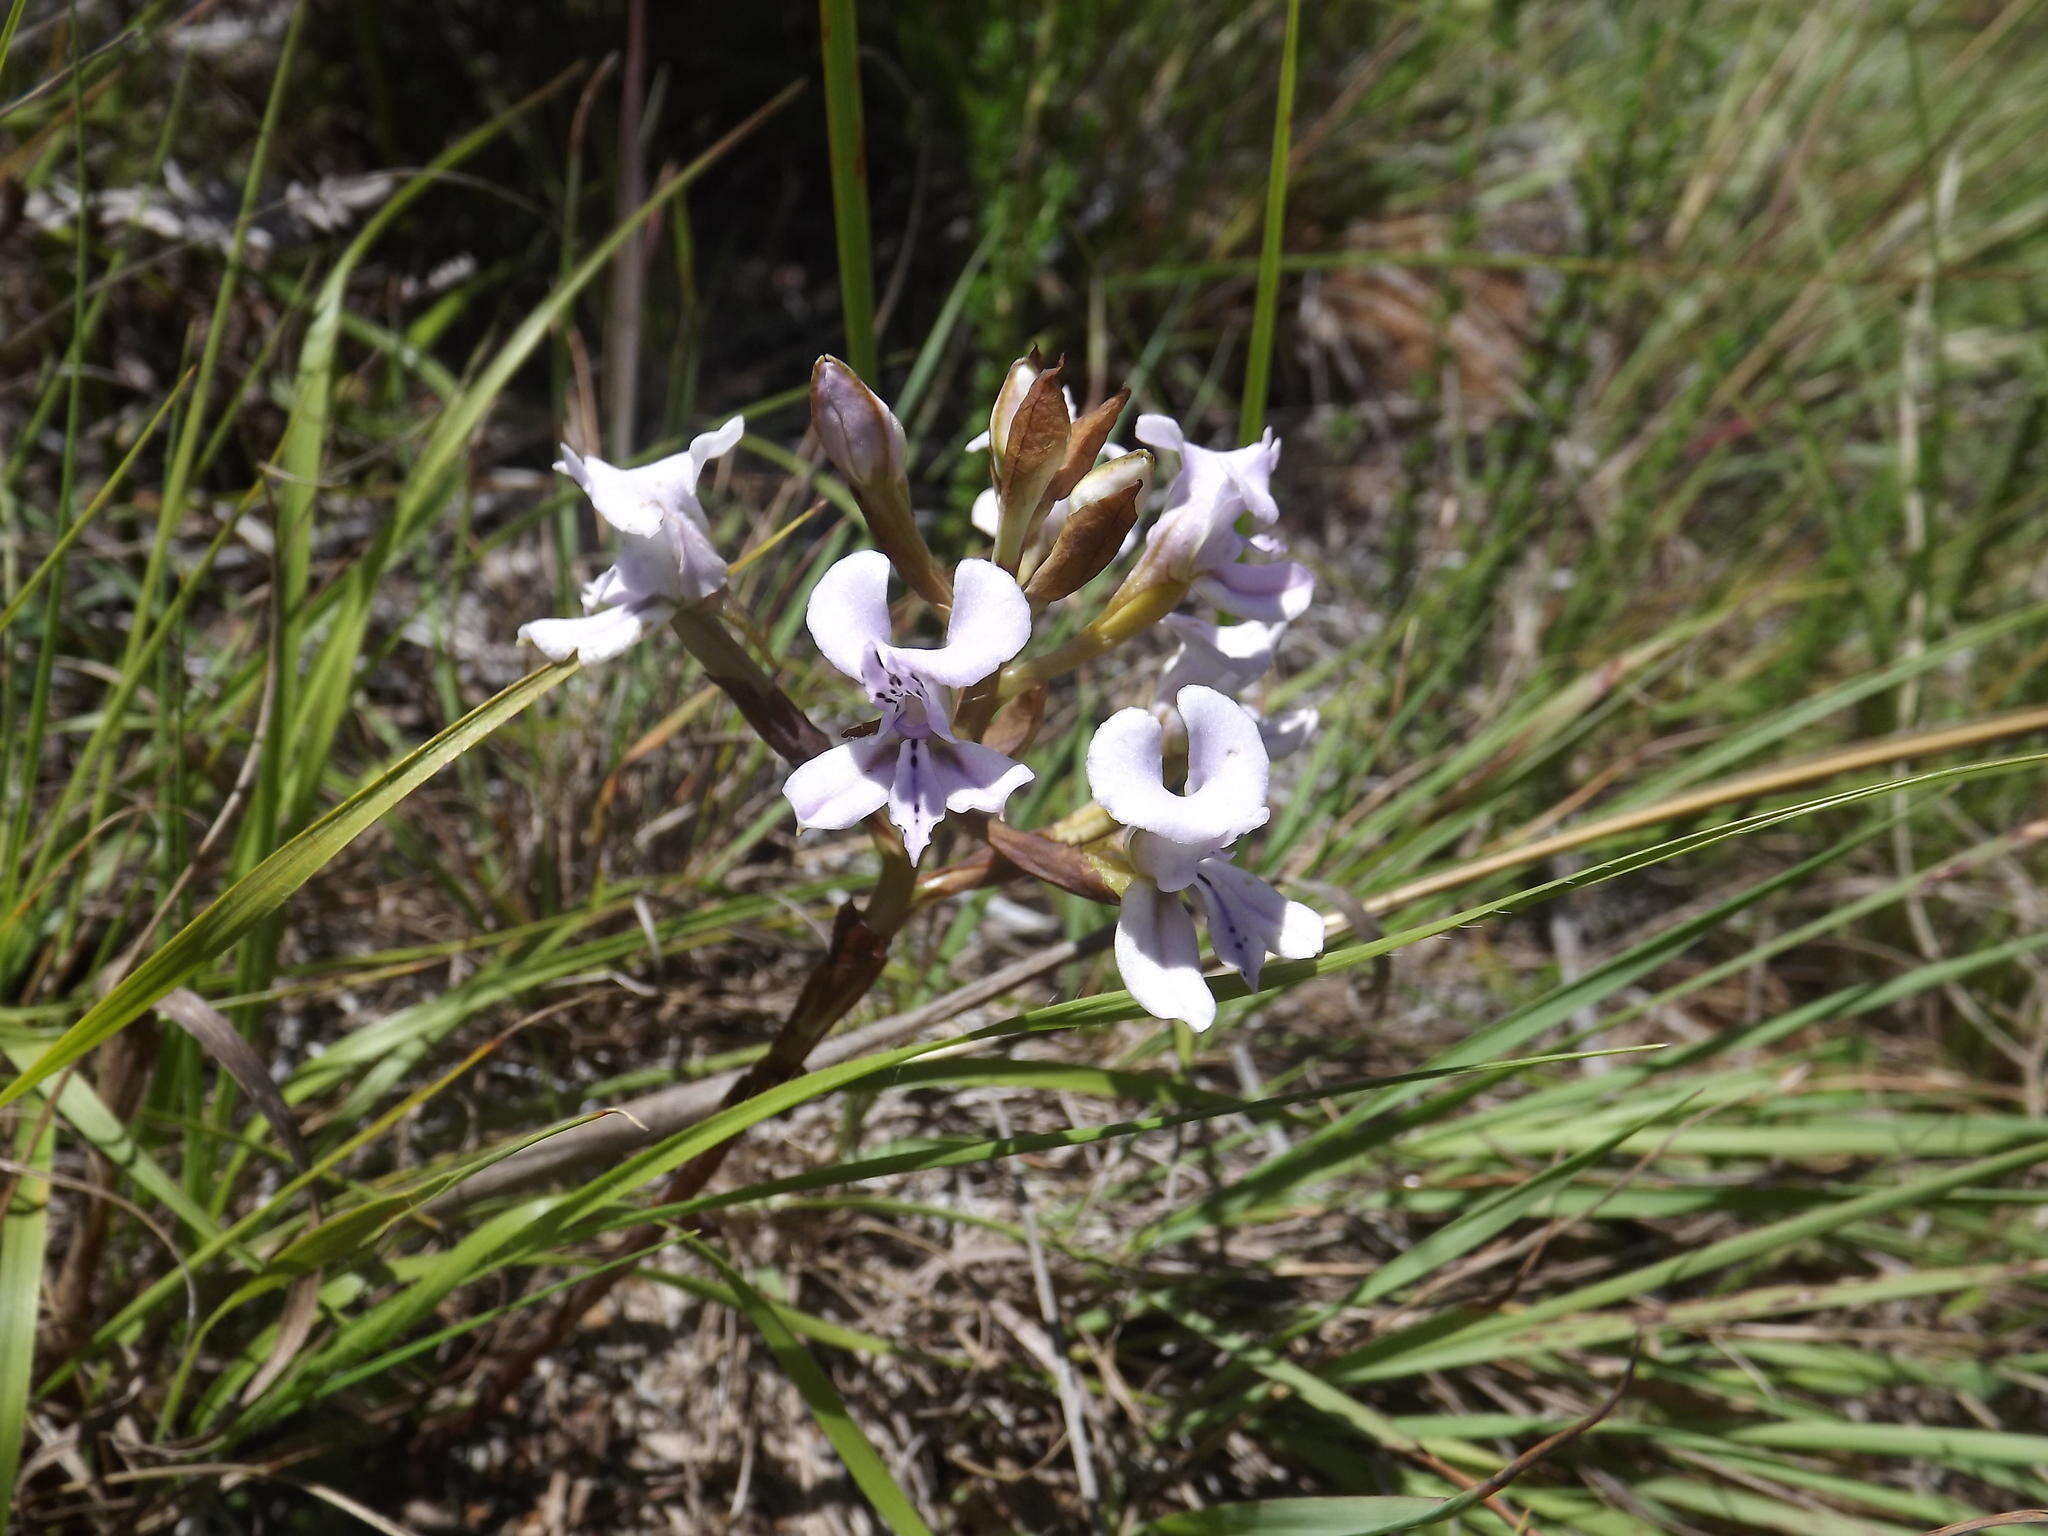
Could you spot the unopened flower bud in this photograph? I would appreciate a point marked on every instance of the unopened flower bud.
(860, 435)
(1016, 724)
(1016, 383)
(1033, 449)
(1102, 511)
(864, 441)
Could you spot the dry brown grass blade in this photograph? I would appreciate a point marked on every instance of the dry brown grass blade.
(1992, 1522)
(1480, 1492)
(223, 1042)
(236, 1057)
(294, 1327)
(1748, 786)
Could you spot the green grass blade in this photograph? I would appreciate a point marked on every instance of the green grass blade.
(265, 888)
(839, 42)
(24, 1231)
(93, 508)
(855, 1450)
(1258, 361)
(1336, 1516)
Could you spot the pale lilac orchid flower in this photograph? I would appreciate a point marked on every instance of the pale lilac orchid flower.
(913, 764)
(1195, 538)
(665, 552)
(1217, 474)
(1180, 842)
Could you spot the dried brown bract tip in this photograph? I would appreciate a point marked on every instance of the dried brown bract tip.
(1104, 510)
(1090, 431)
(1028, 433)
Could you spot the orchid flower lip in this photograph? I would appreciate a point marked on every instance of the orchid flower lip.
(1226, 780)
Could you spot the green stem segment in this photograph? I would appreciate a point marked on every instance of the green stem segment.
(1133, 616)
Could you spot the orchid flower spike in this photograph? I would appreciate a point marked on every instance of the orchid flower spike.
(913, 764)
(665, 552)
(1181, 841)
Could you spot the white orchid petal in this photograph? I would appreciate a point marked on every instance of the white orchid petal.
(571, 464)
(849, 610)
(978, 442)
(716, 443)
(1249, 487)
(917, 794)
(1249, 642)
(1126, 773)
(1302, 934)
(702, 569)
(991, 622)
(1158, 958)
(843, 786)
(987, 512)
(672, 481)
(1227, 764)
(1156, 431)
(1169, 865)
(596, 637)
(1126, 766)
(1285, 735)
(979, 778)
(1186, 541)
(1272, 592)
(625, 498)
(610, 587)
(1229, 657)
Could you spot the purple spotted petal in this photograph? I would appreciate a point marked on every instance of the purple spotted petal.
(917, 794)
(1248, 919)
